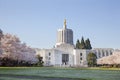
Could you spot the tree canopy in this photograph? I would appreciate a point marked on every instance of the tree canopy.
(78, 44)
(91, 59)
(40, 60)
(15, 53)
(84, 44)
(88, 44)
(12, 48)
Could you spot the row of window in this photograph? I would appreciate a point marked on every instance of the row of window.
(49, 56)
(104, 54)
(81, 57)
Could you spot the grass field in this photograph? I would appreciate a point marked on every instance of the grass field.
(49, 73)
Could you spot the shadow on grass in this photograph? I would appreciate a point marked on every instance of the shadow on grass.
(39, 77)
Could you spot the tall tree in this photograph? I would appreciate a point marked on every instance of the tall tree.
(91, 59)
(78, 44)
(82, 44)
(88, 44)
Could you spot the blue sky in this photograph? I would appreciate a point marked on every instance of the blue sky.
(36, 22)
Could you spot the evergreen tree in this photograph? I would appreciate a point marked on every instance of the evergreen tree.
(78, 44)
(82, 44)
(87, 44)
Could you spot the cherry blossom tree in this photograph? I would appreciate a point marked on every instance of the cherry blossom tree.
(12, 48)
(112, 59)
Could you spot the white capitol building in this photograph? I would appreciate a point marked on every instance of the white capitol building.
(65, 54)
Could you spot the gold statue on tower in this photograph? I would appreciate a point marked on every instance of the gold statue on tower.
(64, 23)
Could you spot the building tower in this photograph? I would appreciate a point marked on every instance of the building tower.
(65, 35)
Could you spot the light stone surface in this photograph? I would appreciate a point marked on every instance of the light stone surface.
(65, 46)
(64, 36)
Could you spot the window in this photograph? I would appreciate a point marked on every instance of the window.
(99, 54)
(80, 54)
(49, 54)
(103, 54)
(80, 58)
(106, 53)
(49, 58)
(110, 53)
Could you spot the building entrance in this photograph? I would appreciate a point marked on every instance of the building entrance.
(65, 59)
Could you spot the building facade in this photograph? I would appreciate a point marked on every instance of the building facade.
(65, 54)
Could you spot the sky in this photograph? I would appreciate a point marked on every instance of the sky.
(36, 22)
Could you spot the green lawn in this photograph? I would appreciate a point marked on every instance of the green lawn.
(49, 73)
